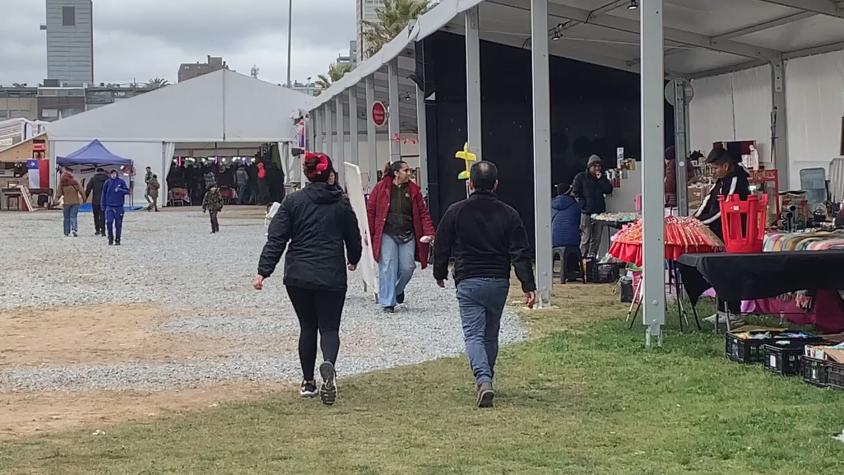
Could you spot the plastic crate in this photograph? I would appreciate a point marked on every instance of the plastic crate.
(835, 374)
(814, 371)
(751, 350)
(783, 359)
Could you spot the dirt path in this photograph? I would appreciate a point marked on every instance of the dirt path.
(27, 414)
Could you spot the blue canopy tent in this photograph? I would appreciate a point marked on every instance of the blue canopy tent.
(97, 155)
(94, 154)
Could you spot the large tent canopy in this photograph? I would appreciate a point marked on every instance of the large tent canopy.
(222, 106)
(219, 113)
(94, 153)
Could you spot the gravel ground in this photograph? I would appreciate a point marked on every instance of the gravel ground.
(170, 259)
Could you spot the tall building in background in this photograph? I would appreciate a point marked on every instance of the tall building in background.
(365, 12)
(70, 42)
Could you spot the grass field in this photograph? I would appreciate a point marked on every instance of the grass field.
(582, 396)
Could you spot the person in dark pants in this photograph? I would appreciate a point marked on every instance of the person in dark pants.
(213, 203)
(94, 193)
(589, 188)
(322, 231)
(114, 196)
(485, 237)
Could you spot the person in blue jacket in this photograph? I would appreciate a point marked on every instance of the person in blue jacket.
(565, 218)
(114, 195)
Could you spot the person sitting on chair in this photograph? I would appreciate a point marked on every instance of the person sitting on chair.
(565, 218)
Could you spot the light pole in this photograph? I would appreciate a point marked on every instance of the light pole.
(289, 38)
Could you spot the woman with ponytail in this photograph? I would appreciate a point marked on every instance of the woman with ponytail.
(319, 230)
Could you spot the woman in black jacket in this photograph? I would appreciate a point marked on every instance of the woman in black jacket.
(317, 222)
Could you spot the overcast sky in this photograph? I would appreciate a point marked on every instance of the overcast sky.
(143, 39)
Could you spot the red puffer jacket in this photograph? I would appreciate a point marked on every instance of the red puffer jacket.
(378, 207)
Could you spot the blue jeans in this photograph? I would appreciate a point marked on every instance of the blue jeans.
(70, 215)
(395, 269)
(114, 222)
(482, 302)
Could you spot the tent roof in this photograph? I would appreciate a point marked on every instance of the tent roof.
(94, 153)
(702, 38)
(223, 106)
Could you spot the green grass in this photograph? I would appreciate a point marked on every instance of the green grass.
(584, 396)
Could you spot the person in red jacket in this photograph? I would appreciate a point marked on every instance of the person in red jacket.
(401, 230)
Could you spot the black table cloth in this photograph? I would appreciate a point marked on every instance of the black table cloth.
(755, 276)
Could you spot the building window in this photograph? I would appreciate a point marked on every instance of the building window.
(49, 113)
(68, 16)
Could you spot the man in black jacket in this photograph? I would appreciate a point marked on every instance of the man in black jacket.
(94, 193)
(589, 188)
(732, 179)
(485, 237)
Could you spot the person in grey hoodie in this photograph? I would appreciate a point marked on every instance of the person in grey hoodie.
(589, 188)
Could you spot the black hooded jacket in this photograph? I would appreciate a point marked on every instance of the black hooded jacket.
(589, 192)
(314, 225)
(710, 210)
(94, 190)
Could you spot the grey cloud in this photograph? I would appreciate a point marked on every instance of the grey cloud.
(140, 40)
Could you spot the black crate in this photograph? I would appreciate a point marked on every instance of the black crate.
(783, 360)
(835, 375)
(815, 372)
(750, 350)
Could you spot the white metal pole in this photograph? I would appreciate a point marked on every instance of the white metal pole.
(653, 217)
(329, 130)
(681, 145)
(541, 148)
(371, 139)
(394, 122)
(779, 125)
(353, 126)
(422, 135)
(340, 143)
(473, 82)
(316, 125)
(289, 39)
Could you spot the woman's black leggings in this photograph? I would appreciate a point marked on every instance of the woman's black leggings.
(318, 311)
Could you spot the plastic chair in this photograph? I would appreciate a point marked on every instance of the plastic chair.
(570, 258)
(743, 223)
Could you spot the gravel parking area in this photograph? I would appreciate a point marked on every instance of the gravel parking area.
(203, 284)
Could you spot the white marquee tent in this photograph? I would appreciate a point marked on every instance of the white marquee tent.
(794, 94)
(222, 113)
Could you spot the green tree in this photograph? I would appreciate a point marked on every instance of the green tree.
(155, 83)
(335, 73)
(393, 17)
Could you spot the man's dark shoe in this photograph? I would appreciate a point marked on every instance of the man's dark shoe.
(400, 298)
(389, 309)
(485, 395)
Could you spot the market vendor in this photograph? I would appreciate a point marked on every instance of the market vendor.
(589, 189)
(731, 180)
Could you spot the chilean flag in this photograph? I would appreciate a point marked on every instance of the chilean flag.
(39, 173)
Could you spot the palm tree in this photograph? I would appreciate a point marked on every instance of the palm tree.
(155, 83)
(335, 73)
(393, 17)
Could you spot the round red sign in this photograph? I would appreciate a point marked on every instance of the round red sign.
(379, 113)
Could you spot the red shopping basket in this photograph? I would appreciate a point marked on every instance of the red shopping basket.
(743, 223)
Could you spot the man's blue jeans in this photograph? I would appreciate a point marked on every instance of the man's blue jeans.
(481, 305)
(395, 269)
